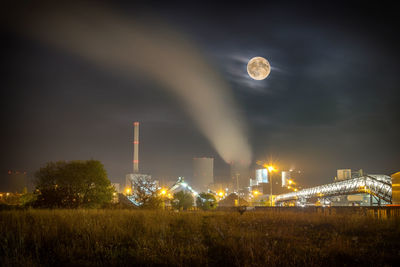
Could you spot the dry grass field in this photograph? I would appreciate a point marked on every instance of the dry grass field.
(161, 238)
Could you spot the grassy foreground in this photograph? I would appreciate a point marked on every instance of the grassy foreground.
(129, 237)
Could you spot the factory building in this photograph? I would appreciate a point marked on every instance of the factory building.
(262, 176)
(225, 187)
(396, 188)
(286, 176)
(262, 182)
(343, 174)
(203, 173)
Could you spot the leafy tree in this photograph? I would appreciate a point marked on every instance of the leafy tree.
(28, 199)
(73, 184)
(145, 193)
(206, 201)
(182, 200)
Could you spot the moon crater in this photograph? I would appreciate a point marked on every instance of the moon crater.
(258, 68)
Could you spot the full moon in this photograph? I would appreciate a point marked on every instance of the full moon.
(258, 68)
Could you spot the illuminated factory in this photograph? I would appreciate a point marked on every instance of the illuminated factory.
(348, 189)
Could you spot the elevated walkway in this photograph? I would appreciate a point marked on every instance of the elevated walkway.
(379, 186)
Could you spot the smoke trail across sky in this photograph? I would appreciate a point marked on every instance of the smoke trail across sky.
(116, 42)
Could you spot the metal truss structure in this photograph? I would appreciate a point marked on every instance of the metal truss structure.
(179, 183)
(379, 186)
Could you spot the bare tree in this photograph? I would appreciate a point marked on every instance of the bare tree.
(145, 193)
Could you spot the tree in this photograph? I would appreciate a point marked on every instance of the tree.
(73, 184)
(182, 200)
(145, 193)
(206, 201)
(28, 199)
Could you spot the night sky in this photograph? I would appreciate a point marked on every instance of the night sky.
(331, 100)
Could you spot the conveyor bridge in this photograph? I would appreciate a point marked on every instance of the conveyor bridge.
(379, 186)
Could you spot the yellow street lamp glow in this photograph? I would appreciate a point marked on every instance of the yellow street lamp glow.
(163, 192)
(128, 190)
(221, 194)
(256, 193)
(290, 181)
(271, 168)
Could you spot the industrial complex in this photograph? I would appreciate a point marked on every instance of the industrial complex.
(262, 186)
(266, 186)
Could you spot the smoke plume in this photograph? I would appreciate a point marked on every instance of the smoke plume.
(117, 42)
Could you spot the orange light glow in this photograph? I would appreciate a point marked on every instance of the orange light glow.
(271, 168)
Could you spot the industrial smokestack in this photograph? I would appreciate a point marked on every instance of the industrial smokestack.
(136, 147)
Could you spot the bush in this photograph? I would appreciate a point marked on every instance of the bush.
(206, 201)
(182, 201)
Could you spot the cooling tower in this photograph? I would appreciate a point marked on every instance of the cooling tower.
(203, 173)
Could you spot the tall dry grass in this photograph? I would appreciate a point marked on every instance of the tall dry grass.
(132, 237)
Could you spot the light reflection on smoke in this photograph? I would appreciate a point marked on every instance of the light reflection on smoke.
(119, 43)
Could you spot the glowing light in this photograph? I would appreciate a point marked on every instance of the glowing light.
(127, 191)
(256, 193)
(271, 168)
(163, 192)
(221, 194)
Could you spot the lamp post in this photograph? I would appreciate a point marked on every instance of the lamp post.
(237, 188)
(270, 169)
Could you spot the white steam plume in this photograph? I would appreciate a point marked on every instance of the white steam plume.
(112, 40)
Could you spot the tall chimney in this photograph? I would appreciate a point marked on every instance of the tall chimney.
(136, 147)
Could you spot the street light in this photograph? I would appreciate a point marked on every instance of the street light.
(127, 191)
(270, 169)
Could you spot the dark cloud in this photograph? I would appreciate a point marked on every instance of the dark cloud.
(331, 100)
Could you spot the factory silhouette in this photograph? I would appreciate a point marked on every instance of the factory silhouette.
(257, 187)
(265, 187)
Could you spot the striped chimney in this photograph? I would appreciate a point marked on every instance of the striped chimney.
(136, 147)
